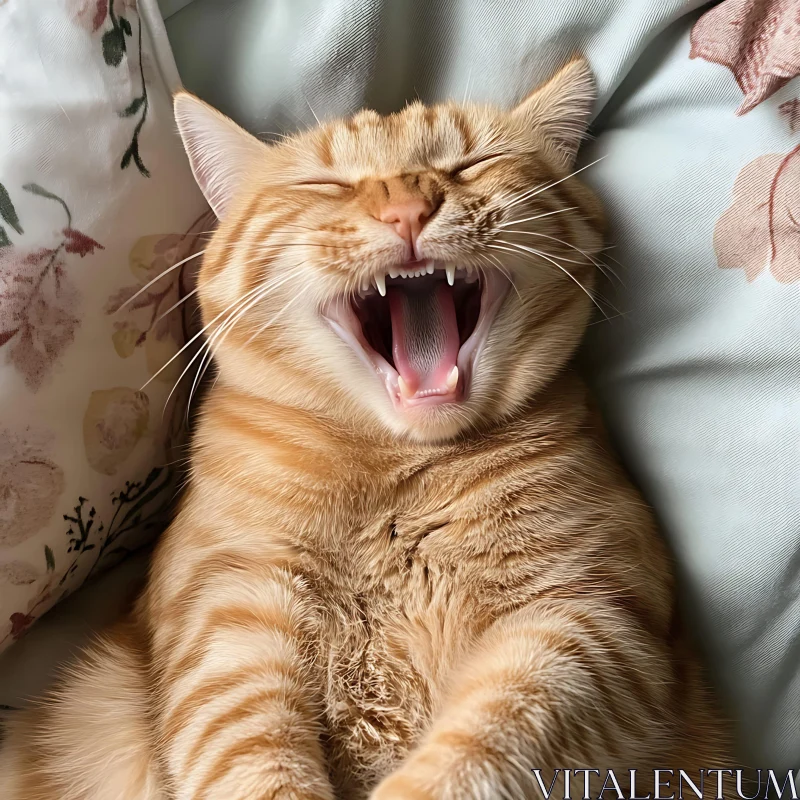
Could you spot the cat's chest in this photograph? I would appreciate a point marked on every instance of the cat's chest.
(389, 642)
(409, 579)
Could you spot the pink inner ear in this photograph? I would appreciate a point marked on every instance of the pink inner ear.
(560, 109)
(221, 153)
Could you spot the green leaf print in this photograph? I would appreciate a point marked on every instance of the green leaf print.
(7, 210)
(113, 47)
(50, 559)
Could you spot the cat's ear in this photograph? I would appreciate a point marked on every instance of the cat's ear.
(221, 153)
(559, 109)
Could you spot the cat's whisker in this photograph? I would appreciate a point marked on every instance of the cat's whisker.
(227, 325)
(158, 278)
(587, 256)
(551, 256)
(274, 319)
(311, 109)
(604, 252)
(607, 319)
(200, 350)
(514, 248)
(193, 339)
(175, 305)
(538, 216)
(467, 87)
(499, 265)
(278, 245)
(539, 190)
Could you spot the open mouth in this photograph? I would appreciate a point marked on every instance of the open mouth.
(421, 327)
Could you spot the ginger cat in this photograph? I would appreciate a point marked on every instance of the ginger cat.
(407, 567)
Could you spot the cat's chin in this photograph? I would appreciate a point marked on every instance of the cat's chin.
(421, 331)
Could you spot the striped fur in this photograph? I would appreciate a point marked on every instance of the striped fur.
(355, 603)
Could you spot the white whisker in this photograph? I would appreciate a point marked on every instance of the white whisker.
(205, 346)
(311, 109)
(588, 256)
(196, 336)
(466, 88)
(538, 216)
(175, 305)
(518, 247)
(561, 180)
(274, 319)
(227, 325)
(158, 278)
(539, 190)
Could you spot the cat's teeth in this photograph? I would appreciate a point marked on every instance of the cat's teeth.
(452, 378)
(380, 284)
(393, 273)
(403, 387)
(450, 269)
(430, 268)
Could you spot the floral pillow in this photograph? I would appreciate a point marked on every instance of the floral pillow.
(100, 223)
(697, 367)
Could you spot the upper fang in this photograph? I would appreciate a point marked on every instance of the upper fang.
(380, 284)
(450, 269)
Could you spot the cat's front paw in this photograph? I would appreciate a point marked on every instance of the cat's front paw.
(401, 786)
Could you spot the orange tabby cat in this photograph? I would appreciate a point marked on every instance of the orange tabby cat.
(406, 567)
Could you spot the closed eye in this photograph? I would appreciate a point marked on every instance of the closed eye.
(474, 162)
(324, 184)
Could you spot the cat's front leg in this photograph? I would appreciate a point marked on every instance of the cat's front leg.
(560, 686)
(240, 716)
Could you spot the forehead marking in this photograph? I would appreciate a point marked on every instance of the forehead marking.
(467, 139)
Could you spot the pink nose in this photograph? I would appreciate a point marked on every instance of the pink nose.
(408, 218)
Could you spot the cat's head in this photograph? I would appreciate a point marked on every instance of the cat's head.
(425, 271)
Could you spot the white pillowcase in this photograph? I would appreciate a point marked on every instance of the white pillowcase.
(96, 199)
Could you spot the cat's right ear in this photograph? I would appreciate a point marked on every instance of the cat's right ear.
(221, 153)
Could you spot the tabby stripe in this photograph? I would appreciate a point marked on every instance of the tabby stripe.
(464, 131)
(430, 115)
(268, 618)
(324, 147)
(203, 643)
(261, 745)
(640, 685)
(234, 236)
(493, 680)
(248, 706)
(185, 708)
(255, 253)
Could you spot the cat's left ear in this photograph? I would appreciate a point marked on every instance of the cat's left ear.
(221, 153)
(559, 110)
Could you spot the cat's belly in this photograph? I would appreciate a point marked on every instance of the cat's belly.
(382, 673)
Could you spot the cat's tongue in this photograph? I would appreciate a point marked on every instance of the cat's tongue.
(425, 338)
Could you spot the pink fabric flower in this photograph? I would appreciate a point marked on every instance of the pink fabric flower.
(756, 39)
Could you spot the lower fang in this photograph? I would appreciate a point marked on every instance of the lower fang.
(452, 379)
(404, 390)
